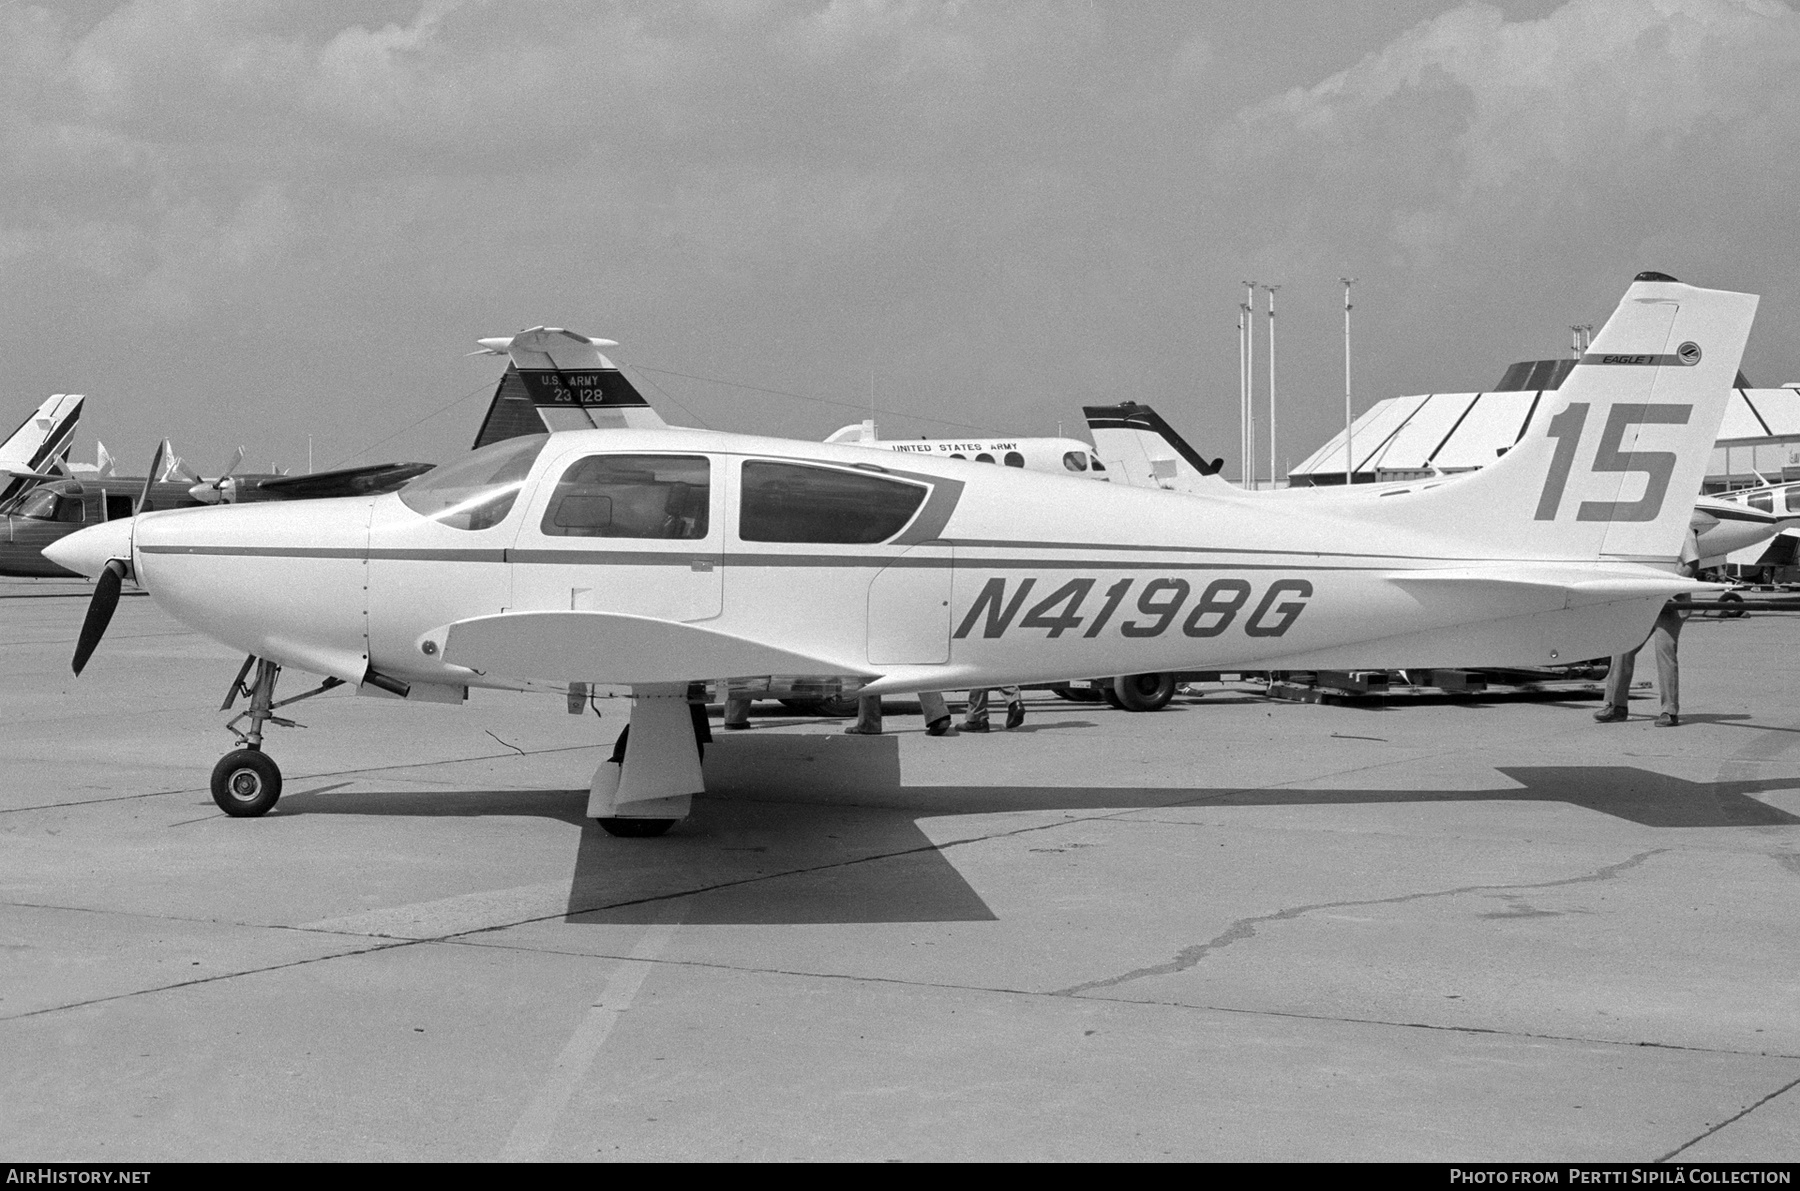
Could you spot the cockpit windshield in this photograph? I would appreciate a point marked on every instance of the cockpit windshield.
(478, 490)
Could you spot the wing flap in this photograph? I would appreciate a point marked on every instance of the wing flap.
(616, 649)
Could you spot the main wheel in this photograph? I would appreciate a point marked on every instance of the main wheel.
(635, 828)
(246, 783)
(1144, 692)
(1110, 695)
(1737, 602)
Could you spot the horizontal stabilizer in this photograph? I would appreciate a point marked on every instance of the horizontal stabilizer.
(1136, 444)
(612, 648)
(1577, 585)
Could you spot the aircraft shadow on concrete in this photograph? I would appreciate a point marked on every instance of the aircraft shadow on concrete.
(845, 845)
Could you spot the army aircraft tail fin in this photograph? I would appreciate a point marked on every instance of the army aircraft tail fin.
(559, 380)
(31, 453)
(612, 648)
(1609, 472)
(1134, 441)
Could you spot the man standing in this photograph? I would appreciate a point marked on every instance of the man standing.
(975, 719)
(868, 715)
(1666, 637)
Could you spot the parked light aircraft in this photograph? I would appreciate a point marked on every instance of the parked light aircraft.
(1033, 454)
(38, 449)
(663, 559)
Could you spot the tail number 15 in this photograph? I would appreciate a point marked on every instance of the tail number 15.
(1656, 466)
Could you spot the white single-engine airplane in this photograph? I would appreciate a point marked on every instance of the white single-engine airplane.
(670, 561)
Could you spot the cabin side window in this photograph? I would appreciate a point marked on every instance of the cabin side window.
(789, 502)
(1075, 460)
(632, 496)
(1763, 501)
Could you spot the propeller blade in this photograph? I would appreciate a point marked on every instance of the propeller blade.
(100, 612)
(150, 476)
(232, 466)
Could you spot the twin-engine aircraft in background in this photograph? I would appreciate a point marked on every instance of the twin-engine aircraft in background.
(1054, 455)
(59, 505)
(683, 563)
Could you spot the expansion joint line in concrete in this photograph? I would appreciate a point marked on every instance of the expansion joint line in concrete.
(1245, 928)
(1731, 1120)
(310, 777)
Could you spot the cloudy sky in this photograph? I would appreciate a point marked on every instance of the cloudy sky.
(250, 221)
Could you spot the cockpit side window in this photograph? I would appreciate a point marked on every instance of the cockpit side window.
(1792, 500)
(39, 505)
(47, 505)
(632, 496)
(1094, 461)
(789, 502)
(478, 490)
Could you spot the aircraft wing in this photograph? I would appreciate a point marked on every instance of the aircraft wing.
(369, 480)
(17, 472)
(616, 649)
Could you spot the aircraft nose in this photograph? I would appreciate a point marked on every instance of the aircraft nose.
(87, 551)
(284, 580)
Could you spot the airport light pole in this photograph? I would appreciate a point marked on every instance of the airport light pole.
(1249, 384)
(1274, 470)
(1243, 384)
(1349, 459)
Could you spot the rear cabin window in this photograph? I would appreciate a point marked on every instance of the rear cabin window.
(632, 496)
(1764, 501)
(788, 502)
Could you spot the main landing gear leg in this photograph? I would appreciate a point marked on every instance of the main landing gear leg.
(650, 781)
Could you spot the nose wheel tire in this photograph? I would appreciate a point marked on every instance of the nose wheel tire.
(635, 828)
(246, 783)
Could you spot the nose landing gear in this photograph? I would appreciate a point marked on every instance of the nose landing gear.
(246, 782)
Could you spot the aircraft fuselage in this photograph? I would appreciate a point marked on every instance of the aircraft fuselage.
(977, 574)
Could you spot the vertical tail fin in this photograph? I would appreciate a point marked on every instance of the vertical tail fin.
(1133, 441)
(41, 441)
(1611, 470)
(559, 380)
